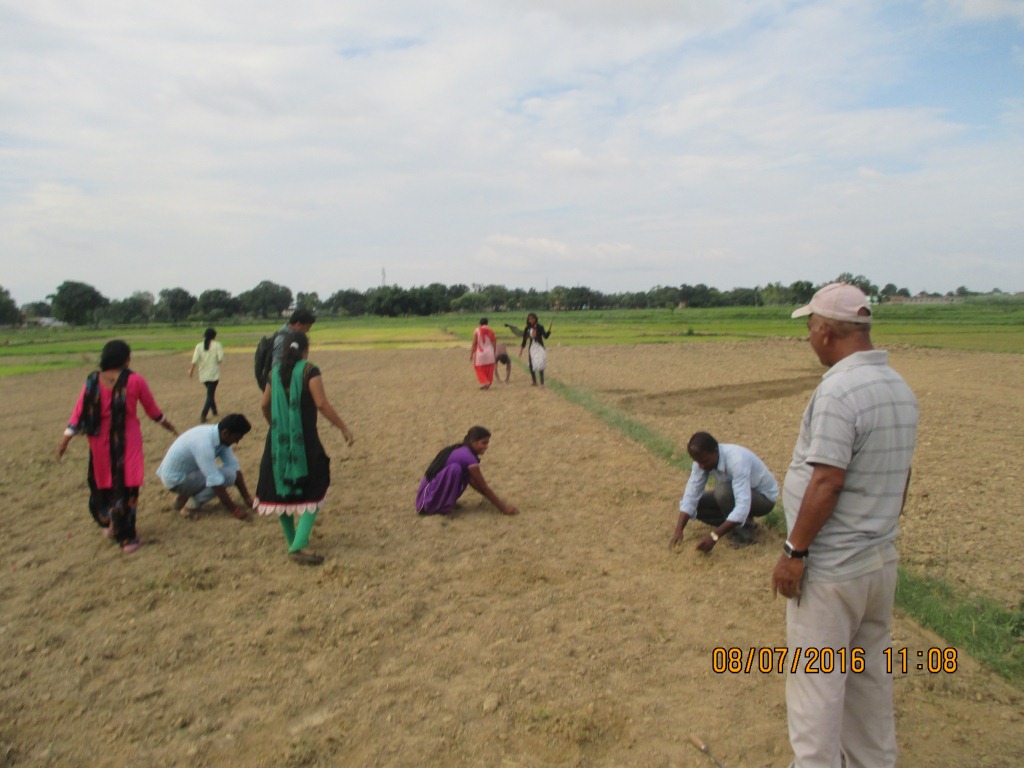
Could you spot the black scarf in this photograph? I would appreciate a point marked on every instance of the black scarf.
(89, 422)
(441, 460)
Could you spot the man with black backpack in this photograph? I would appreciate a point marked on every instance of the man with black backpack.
(268, 356)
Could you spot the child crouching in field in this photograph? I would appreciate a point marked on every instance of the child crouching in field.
(454, 468)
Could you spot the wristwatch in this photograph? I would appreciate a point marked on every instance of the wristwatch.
(714, 537)
(795, 554)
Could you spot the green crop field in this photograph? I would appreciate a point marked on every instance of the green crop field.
(994, 326)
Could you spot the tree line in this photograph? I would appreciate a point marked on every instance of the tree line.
(79, 303)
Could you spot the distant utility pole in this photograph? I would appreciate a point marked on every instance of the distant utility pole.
(383, 278)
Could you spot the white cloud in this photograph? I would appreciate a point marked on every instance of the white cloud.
(617, 145)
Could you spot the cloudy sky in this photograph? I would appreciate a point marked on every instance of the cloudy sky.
(531, 143)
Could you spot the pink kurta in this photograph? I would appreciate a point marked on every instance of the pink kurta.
(137, 391)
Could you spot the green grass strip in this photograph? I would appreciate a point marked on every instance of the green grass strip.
(972, 624)
(655, 443)
(17, 370)
(990, 633)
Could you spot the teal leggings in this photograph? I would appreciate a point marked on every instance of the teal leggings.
(297, 538)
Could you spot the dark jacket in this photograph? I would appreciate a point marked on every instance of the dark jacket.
(541, 334)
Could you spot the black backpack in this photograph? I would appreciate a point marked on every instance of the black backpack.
(263, 361)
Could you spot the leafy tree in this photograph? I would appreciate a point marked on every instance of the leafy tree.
(528, 300)
(470, 302)
(310, 301)
(431, 300)
(217, 303)
(37, 309)
(869, 288)
(579, 297)
(268, 299)
(175, 304)
(9, 314)
(347, 302)
(137, 308)
(440, 298)
(699, 295)
(801, 291)
(388, 300)
(740, 297)
(775, 294)
(496, 296)
(77, 303)
(631, 301)
(664, 296)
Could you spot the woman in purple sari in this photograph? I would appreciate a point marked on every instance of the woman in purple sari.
(454, 468)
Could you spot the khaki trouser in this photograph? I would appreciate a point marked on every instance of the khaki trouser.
(845, 713)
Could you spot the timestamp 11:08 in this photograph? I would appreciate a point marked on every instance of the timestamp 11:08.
(934, 660)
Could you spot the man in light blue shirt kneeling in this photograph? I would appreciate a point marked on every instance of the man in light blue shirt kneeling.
(191, 469)
(744, 489)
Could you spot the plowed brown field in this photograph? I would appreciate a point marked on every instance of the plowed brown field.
(566, 636)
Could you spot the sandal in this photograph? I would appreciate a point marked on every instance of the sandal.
(131, 546)
(304, 557)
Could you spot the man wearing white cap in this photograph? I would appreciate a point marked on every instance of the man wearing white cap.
(843, 495)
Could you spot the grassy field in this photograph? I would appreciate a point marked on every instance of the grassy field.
(989, 327)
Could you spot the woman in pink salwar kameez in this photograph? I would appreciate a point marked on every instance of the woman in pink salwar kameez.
(106, 413)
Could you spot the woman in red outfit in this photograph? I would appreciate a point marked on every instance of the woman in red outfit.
(106, 412)
(482, 354)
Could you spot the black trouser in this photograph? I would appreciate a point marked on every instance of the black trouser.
(714, 506)
(533, 374)
(211, 404)
(118, 514)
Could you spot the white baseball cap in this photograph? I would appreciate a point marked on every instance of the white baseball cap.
(838, 301)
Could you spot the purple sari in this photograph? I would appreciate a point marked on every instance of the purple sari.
(437, 495)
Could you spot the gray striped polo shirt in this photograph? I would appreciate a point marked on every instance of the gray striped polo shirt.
(862, 418)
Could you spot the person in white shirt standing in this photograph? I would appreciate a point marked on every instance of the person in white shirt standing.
(208, 356)
(744, 489)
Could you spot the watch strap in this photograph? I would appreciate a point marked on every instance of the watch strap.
(796, 554)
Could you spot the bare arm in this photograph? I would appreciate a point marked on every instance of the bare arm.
(815, 509)
(228, 503)
(191, 369)
(472, 349)
(677, 536)
(58, 452)
(243, 488)
(265, 403)
(707, 543)
(476, 479)
(316, 389)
